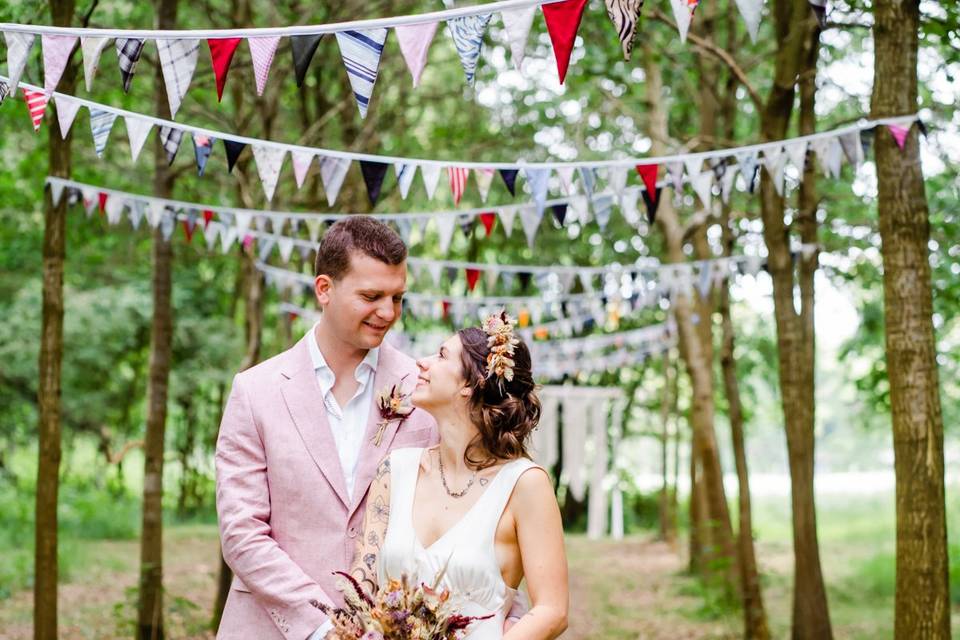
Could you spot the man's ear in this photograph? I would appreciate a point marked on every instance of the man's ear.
(322, 286)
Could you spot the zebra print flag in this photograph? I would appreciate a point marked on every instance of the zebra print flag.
(467, 33)
(361, 51)
(625, 14)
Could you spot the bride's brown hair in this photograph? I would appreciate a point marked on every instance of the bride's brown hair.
(504, 411)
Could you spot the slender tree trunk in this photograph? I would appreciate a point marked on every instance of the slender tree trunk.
(798, 42)
(922, 594)
(50, 364)
(754, 616)
(667, 531)
(150, 606)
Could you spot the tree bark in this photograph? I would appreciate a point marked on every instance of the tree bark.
(922, 592)
(150, 603)
(46, 570)
(667, 530)
(798, 43)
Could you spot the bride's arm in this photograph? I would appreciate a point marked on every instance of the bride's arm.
(375, 520)
(540, 537)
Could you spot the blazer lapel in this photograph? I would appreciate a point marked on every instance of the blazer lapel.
(372, 455)
(301, 392)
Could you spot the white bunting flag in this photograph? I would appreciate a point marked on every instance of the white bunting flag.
(506, 219)
(431, 177)
(137, 130)
(285, 245)
(516, 23)
(617, 178)
(155, 213)
(414, 40)
(774, 161)
(405, 175)
(566, 179)
(852, 147)
(178, 61)
(683, 17)
(56, 192)
(114, 208)
(538, 180)
(332, 172)
(92, 47)
(797, 152)
(18, 48)
(242, 220)
(445, 226)
(530, 218)
(313, 228)
(484, 178)
(751, 10)
(56, 52)
(67, 109)
(702, 185)
(301, 165)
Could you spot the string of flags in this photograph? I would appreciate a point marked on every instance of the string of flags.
(361, 43)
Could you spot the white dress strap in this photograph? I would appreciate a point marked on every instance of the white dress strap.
(502, 488)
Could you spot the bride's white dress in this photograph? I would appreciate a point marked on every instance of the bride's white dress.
(467, 548)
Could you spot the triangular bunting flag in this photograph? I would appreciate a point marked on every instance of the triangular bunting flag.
(524, 277)
(332, 172)
(819, 8)
(56, 192)
(301, 165)
(510, 179)
(262, 50)
(170, 138)
(92, 47)
(431, 177)
(491, 280)
(137, 131)
(559, 213)
(66, 113)
(56, 53)
(537, 179)
(233, 150)
(286, 248)
(625, 14)
(773, 161)
(210, 235)
(472, 276)
(361, 51)
(588, 178)
(128, 54)
(566, 179)
(506, 219)
(899, 134)
(373, 174)
(101, 122)
(488, 219)
(445, 225)
(113, 209)
(414, 40)
(435, 269)
(467, 33)
(4, 90)
(405, 175)
(517, 22)
(135, 214)
(530, 220)
(36, 104)
(188, 229)
(269, 162)
(18, 48)
(221, 55)
(617, 178)
(484, 178)
(178, 61)
(458, 182)
(703, 185)
(155, 213)
(648, 173)
(652, 201)
(602, 207)
(683, 15)
(748, 163)
(751, 10)
(563, 20)
(303, 48)
(202, 146)
(797, 152)
(852, 147)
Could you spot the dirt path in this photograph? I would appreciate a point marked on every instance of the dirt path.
(619, 590)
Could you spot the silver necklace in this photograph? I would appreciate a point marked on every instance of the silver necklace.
(443, 478)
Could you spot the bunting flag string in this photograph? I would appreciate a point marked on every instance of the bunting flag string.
(826, 145)
(361, 42)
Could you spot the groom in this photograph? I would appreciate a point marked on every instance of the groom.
(302, 436)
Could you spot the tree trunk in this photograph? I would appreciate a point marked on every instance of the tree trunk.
(667, 531)
(699, 535)
(697, 356)
(798, 43)
(50, 364)
(150, 604)
(922, 593)
(754, 616)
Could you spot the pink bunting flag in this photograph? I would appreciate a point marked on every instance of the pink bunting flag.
(563, 20)
(221, 55)
(37, 104)
(262, 50)
(458, 182)
(899, 134)
(56, 53)
(414, 42)
(301, 164)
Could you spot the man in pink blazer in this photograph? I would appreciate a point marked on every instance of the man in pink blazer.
(301, 439)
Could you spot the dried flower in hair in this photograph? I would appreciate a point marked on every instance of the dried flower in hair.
(502, 343)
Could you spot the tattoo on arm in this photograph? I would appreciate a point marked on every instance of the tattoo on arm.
(371, 539)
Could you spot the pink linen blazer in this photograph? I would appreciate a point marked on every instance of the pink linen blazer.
(285, 519)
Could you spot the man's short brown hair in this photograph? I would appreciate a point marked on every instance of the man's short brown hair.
(362, 234)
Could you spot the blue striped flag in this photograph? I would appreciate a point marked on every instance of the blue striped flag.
(361, 51)
(101, 122)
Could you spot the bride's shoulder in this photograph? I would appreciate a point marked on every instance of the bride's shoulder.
(533, 485)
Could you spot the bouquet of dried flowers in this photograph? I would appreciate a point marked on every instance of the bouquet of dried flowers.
(400, 610)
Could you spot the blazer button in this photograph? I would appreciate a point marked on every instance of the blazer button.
(352, 532)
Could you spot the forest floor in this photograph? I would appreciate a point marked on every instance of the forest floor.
(634, 589)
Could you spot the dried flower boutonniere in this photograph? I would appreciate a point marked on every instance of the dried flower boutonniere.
(394, 405)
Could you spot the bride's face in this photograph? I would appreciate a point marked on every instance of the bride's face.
(441, 382)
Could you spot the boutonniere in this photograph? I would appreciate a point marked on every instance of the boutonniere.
(394, 405)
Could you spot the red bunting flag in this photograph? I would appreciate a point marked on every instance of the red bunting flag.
(102, 201)
(648, 173)
(488, 219)
(472, 276)
(188, 230)
(446, 309)
(221, 54)
(37, 104)
(293, 315)
(207, 217)
(563, 20)
(458, 182)
(899, 134)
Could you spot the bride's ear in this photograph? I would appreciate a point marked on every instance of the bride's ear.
(466, 391)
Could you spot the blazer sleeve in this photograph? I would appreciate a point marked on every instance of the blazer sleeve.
(276, 582)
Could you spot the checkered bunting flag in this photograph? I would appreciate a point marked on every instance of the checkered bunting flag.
(128, 54)
(101, 122)
(171, 138)
(178, 60)
(361, 51)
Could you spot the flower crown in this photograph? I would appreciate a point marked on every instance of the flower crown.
(501, 342)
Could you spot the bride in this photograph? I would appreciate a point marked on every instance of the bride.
(474, 505)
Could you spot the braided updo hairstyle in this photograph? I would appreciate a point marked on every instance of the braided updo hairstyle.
(504, 411)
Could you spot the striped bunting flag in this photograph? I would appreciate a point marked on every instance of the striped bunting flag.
(37, 104)
(4, 90)
(458, 182)
(101, 122)
(361, 51)
(467, 33)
